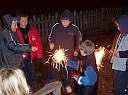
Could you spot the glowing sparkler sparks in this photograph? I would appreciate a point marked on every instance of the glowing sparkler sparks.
(58, 58)
(99, 54)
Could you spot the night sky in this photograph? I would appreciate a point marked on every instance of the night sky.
(50, 6)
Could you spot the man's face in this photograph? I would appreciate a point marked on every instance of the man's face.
(65, 22)
(14, 26)
(23, 21)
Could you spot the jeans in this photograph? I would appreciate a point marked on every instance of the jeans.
(120, 82)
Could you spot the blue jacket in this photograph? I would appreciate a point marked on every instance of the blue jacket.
(89, 78)
(89, 74)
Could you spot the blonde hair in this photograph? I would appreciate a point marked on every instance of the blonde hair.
(13, 82)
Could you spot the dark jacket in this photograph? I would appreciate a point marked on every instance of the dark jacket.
(89, 74)
(11, 48)
(65, 37)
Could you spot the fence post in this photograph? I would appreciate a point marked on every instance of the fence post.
(42, 28)
(74, 20)
(88, 20)
(34, 20)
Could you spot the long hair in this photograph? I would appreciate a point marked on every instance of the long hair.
(13, 82)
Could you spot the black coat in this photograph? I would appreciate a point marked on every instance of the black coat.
(65, 37)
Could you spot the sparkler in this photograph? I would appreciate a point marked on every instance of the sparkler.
(59, 58)
(99, 54)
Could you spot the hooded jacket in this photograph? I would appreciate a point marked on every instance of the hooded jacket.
(121, 43)
(11, 48)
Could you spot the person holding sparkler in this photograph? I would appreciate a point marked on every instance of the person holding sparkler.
(87, 75)
(28, 34)
(67, 36)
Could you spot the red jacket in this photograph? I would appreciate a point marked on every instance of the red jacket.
(34, 40)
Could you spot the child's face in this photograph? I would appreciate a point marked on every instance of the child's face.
(65, 22)
(82, 52)
(23, 21)
(14, 26)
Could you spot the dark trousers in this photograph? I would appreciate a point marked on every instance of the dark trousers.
(120, 82)
(84, 90)
(94, 90)
(30, 72)
(55, 74)
(70, 81)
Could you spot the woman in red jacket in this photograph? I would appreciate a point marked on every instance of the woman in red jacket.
(29, 35)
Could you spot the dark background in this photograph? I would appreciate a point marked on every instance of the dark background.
(51, 6)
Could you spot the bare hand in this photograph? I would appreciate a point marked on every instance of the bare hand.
(51, 46)
(75, 53)
(111, 51)
(75, 77)
(34, 49)
(116, 54)
(69, 89)
(33, 38)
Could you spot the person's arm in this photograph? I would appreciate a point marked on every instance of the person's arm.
(19, 47)
(51, 37)
(89, 78)
(36, 38)
(123, 54)
(51, 40)
(77, 39)
(13, 45)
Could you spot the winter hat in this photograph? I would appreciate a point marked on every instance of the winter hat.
(7, 20)
(67, 15)
(88, 45)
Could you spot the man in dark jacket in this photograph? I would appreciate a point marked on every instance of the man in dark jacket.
(67, 36)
